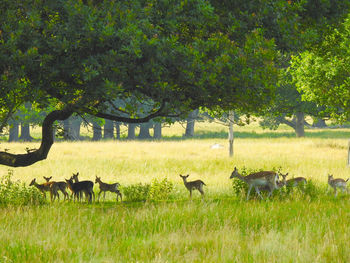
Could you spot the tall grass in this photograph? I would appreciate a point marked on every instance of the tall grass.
(294, 227)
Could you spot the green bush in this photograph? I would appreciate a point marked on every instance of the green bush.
(157, 190)
(160, 190)
(136, 192)
(16, 193)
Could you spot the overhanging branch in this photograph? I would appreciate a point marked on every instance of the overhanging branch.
(21, 160)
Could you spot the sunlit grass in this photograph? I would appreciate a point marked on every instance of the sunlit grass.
(220, 228)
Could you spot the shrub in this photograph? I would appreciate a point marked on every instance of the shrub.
(16, 193)
(157, 190)
(160, 190)
(136, 192)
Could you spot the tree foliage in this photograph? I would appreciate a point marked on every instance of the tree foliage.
(114, 59)
(323, 75)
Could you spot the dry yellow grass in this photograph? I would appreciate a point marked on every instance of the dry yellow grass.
(130, 162)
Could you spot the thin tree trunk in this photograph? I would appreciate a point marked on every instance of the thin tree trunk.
(108, 130)
(14, 131)
(117, 127)
(230, 133)
(349, 154)
(157, 130)
(96, 132)
(131, 131)
(299, 127)
(25, 133)
(190, 123)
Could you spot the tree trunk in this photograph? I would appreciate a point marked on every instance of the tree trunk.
(131, 131)
(96, 132)
(349, 154)
(25, 133)
(230, 133)
(108, 130)
(117, 127)
(144, 131)
(190, 123)
(157, 130)
(75, 128)
(319, 123)
(299, 124)
(14, 131)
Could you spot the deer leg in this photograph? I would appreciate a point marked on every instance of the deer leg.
(98, 196)
(258, 192)
(191, 193)
(104, 195)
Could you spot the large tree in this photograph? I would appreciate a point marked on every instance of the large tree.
(84, 55)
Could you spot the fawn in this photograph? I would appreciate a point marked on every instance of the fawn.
(193, 185)
(83, 186)
(297, 181)
(43, 188)
(257, 180)
(337, 183)
(104, 187)
(58, 186)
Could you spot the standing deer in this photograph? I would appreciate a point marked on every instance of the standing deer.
(83, 186)
(43, 188)
(337, 183)
(104, 187)
(257, 180)
(61, 186)
(193, 185)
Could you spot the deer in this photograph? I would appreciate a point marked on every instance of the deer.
(258, 180)
(104, 187)
(75, 179)
(294, 182)
(83, 186)
(43, 188)
(193, 185)
(337, 183)
(58, 186)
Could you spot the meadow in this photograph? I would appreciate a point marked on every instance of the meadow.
(222, 227)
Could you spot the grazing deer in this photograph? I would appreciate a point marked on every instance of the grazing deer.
(296, 182)
(61, 186)
(193, 185)
(83, 186)
(104, 187)
(257, 180)
(43, 188)
(337, 183)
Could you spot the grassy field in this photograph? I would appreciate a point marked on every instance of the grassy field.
(220, 228)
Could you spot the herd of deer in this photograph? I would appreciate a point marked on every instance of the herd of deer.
(266, 181)
(261, 181)
(77, 188)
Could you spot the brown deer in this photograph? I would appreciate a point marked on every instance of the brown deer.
(337, 183)
(43, 188)
(104, 187)
(257, 180)
(193, 185)
(58, 186)
(83, 186)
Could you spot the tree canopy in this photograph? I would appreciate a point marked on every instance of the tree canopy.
(127, 61)
(323, 74)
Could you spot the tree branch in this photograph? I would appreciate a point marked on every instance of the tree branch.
(21, 160)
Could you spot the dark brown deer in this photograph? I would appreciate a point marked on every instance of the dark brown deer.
(83, 186)
(43, 188)
(193, 185)
(104, 187)
(58, 186)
